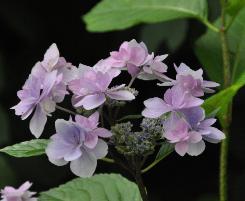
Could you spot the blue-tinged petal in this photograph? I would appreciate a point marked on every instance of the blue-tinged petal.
(85, 165)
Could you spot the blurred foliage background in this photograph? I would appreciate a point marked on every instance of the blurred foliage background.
(27, 30)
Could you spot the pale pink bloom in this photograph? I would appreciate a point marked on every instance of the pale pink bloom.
(71, 144)
(191, 81)
(154, 68)
(178, 132)
(104, 66)
(91, 90)
(52, 61)
(90, 124)
(175, 99)
(131, 55)
(196, 118)
(39, 95)
(187, 130)
(21, 194)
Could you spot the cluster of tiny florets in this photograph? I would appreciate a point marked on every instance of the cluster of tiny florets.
(142, 143)
(154, 127)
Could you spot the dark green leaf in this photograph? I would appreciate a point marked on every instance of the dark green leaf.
(102, 187)
(236, 38)
(167, 32)
(208, 50)
(120, 14)
(234, 6)
(213, 10)
(222, 99)
(164, 151)
(26, 149)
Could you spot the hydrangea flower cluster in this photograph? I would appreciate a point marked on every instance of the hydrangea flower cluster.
(21, 194)
(186, 126)
(81, 140)
(45, 87)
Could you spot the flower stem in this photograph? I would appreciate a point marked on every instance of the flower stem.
(227, 116)
(65, 110)
(141, 186)
(225, 49)
(209, 25)
(108, 160)
(132, 81)
(223, 168)
(140, 183)
(153, 164)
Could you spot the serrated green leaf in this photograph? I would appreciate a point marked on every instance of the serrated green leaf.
(66, 195)
(208, 50)
(123, 185)
(120, 14)
(26, 149)
(111, 190)
(102, 187)
(167, 32)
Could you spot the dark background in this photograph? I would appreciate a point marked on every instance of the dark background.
(28, 28)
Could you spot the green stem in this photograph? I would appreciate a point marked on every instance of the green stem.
(227, 116)
(153, 164)
(139, 181)
(223, 168)
(108, 160)
(132, 81)
(141, 186)
(65, 110)
(150, 166)
(121, 162)
(210, 25)
(225, 52)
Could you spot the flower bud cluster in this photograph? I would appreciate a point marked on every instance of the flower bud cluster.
(141, 143)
